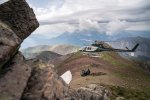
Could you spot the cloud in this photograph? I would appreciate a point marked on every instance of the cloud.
(88, 24)
(115, 26)
(54, 30)
(2, 1)
(111, 17)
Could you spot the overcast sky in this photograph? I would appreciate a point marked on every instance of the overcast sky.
(107, 16)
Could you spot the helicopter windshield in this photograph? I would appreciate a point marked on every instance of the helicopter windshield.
(88, 48)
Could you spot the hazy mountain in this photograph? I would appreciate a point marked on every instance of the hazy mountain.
(59, 49)
(47, 55)
(43, 55)
(76, 38)
(142, 52)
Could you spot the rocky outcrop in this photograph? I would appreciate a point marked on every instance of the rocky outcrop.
(19, 17)
(9, 43)
(14, 79)
(45, 84)
(17, 21)
(93, 92)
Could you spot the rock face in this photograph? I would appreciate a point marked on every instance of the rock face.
(17, 21)
(14, 79)
(19, 17)
(93, 92)
(45, 84)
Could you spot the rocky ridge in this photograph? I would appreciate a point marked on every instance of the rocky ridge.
(28, 80)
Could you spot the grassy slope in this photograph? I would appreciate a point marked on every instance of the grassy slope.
(119, 74)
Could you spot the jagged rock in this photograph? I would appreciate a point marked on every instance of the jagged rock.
(14, 78)
(17, 21)
(93, 92)
(9, 43)
(19, 17)
(45, 84)
(120, 98)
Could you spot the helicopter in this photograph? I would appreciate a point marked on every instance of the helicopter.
(98, 46)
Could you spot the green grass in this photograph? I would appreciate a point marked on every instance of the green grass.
(71, 58)
(120, 74)
(106, 56)
(128, 94)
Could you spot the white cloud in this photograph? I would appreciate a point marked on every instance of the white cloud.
(86, 14)
(116, 26)
(2, 1)
(88, 24)
(139, 26)
(54, 29)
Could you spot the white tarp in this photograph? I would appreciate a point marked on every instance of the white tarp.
(67, 77)
(132, 54)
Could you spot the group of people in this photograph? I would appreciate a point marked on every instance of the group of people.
(85, 72)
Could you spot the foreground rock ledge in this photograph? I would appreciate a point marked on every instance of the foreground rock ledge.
(45, 84)
(17, 21)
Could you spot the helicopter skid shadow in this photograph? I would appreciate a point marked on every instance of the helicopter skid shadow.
(98, 74)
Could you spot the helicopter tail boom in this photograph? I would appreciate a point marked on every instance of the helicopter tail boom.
(135, 47)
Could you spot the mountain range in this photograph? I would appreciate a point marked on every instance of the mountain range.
(77, 37)
(141, 53)
(45, 50)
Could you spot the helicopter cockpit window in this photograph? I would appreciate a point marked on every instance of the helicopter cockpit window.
(88, 48)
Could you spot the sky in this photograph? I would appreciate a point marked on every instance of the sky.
(106, 16)
(110, 16)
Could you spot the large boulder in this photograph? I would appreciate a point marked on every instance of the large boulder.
(13, 78)
(45, 84)
(17, 21)
(93, 92)
(9, 43)
(19, 17)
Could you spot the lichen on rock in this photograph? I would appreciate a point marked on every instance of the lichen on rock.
(19, 17)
